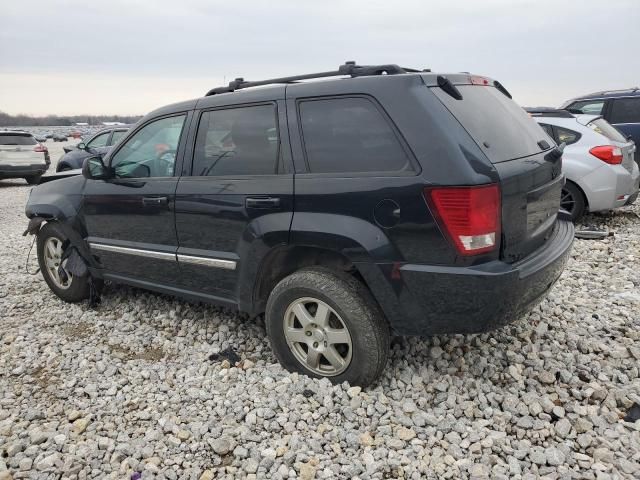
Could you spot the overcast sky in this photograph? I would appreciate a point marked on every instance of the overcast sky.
(129, 57)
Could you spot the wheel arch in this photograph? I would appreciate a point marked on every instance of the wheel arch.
(282, 261)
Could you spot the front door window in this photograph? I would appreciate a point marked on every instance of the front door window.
(151, 151)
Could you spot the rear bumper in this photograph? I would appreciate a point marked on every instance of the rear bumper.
(428, 299)
(19, 171)
(610, 186)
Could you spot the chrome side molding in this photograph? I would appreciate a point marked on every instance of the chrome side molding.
(204, 261)
(207, 262)
(133, 251)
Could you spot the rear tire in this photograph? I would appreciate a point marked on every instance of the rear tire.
(33, 179)
(75, 288)
(573, 201)
(343, 336)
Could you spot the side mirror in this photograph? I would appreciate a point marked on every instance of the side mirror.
(81, 146)
(93, 168)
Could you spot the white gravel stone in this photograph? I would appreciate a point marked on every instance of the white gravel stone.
(129, 387)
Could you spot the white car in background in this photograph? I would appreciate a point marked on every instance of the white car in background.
(21, 156)
(598, 161)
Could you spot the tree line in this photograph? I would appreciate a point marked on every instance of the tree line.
(21, 120)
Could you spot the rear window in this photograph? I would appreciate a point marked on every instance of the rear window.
(349, 134)
(601, 126)
(502, 129)
(17, 139)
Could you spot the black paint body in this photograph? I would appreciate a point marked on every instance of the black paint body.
(378, 223)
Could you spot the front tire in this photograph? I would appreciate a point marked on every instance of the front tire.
(70, 289)
(573, 201)
(325, 324)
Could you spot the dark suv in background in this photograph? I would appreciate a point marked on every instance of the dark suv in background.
(621, 108)
(391, 201)
(99, 143)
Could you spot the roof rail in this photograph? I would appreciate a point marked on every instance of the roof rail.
(349, 68)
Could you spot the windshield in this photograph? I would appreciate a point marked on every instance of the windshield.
(601, 126)
(502, 129)
(17, 139)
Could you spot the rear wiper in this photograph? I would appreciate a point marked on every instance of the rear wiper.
(501, 88)
(445, 84)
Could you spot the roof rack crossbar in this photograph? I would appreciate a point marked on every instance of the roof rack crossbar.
(349, 68)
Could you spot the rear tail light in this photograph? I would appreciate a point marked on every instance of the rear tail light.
(608, 154)
(40, 148)
(470, 216)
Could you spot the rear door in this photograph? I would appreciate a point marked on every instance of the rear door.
(518, 148)
(236, 199)
(130, 218)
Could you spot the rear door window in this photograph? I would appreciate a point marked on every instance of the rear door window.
(349, 134)
(589, 107)
(502, 129)
(548, 129)
(17, 139)
(625, 110)
(564, 135)
(237, 141)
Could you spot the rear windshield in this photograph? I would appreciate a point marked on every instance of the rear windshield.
(16, 139)
(601, 126)
(502, 129)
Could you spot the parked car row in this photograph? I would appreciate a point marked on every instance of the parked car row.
(597, 160)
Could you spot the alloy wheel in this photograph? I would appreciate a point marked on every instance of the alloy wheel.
(567, 202)
(52, 257)
(317, 336)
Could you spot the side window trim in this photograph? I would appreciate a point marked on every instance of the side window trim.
(188, 114)
(415, 168)
(193, 137)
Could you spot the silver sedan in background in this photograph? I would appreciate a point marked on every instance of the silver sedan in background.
(598, 161)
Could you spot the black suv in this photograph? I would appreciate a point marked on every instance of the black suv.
(392, 201)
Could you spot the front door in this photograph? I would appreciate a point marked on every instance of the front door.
(130, 217)
(236, 201)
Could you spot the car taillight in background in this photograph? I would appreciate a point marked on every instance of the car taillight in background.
(470, 216)
(608, 154)
(42, 149)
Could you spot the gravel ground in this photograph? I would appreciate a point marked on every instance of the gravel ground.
(135, 386)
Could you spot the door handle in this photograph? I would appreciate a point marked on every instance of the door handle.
(262, 202)
(148, 201)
